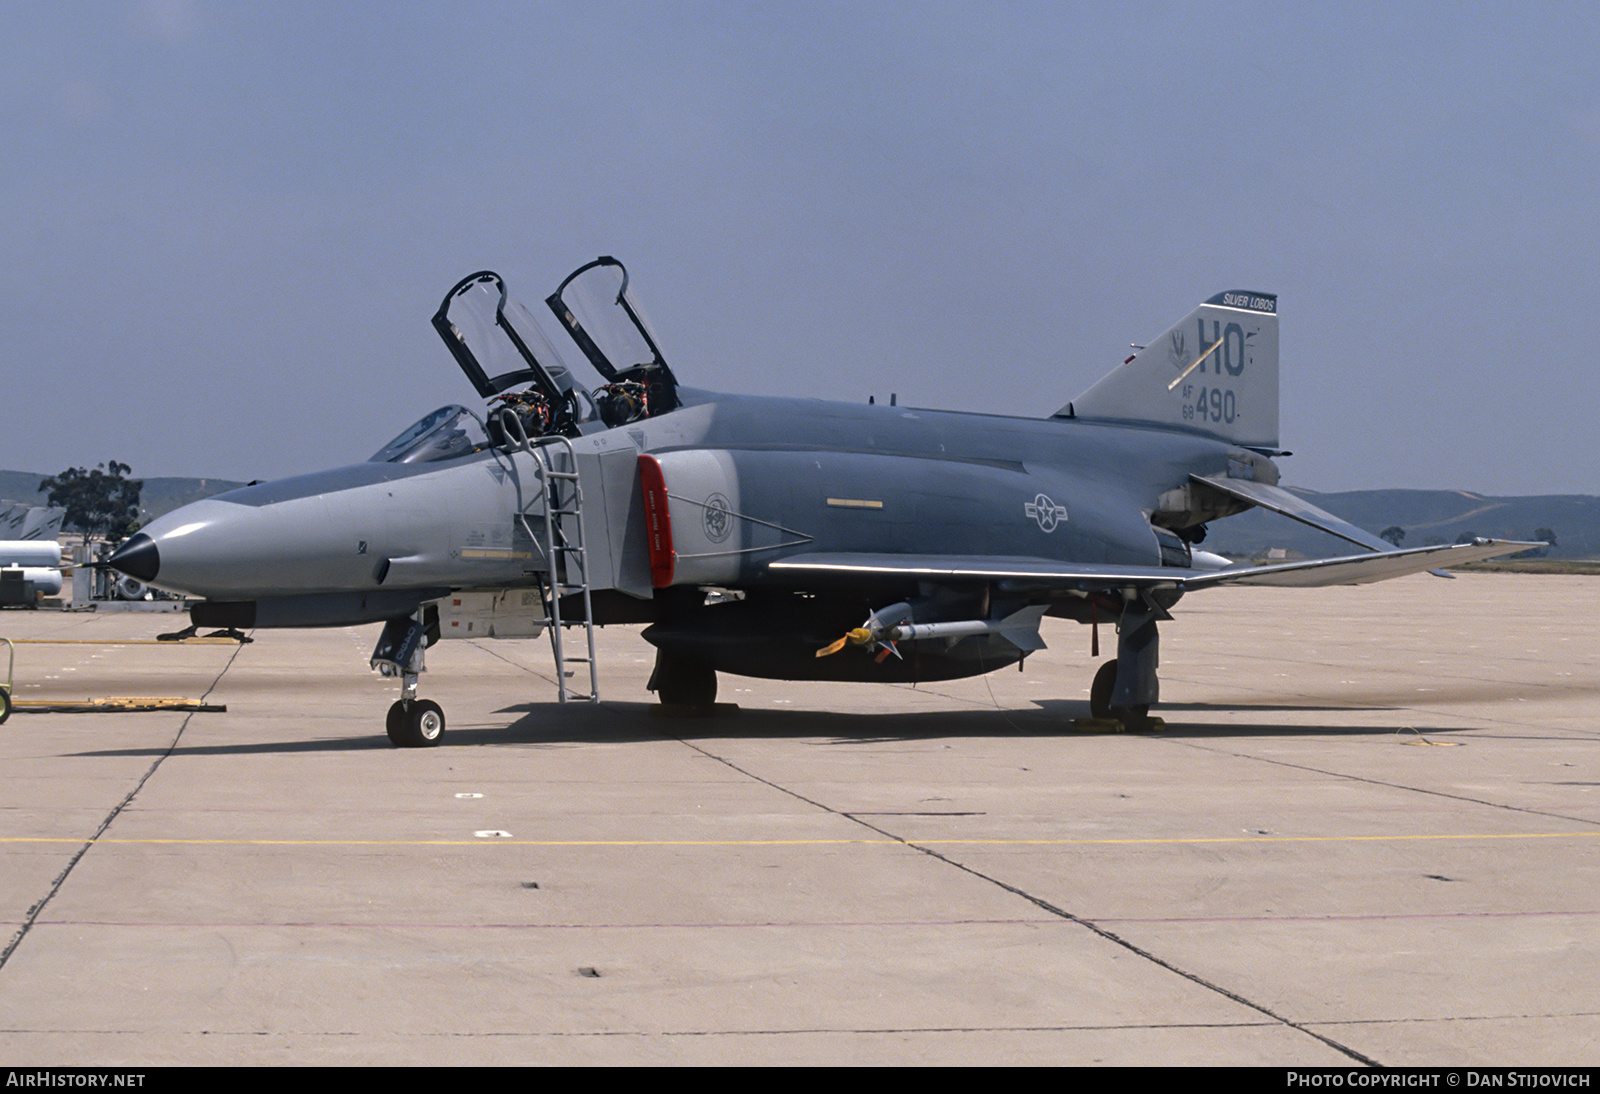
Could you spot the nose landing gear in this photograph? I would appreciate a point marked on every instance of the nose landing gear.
(411, 722)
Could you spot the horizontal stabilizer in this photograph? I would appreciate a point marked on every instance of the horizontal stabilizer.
(1361, 569)
(1281, 501)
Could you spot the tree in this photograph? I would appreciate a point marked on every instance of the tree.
(1548, 535)
(102, 502)
(1394, 534)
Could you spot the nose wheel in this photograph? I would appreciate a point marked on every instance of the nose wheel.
(411, 722)
(415, 723)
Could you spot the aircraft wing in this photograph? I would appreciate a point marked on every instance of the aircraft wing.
(1041, 571)
(1089, 577)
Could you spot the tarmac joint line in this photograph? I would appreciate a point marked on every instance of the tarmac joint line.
(1058, 912)
(55, 886)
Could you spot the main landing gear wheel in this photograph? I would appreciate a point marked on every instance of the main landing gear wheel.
(417, 723)
(681, 683)
(1105, 682)
(1135, 719)
(5, 704)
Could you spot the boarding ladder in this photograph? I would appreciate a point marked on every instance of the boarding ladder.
(559, 539)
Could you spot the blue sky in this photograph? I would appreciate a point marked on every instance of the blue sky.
(227, 225)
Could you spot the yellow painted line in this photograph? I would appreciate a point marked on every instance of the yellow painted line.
(447, 842)
(129, 703)
(1175, 840)
(855, 503)
(114, 700)
(197, 641)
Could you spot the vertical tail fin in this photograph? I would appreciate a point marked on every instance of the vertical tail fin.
(1216, 372)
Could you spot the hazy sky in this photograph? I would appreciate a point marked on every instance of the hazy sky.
(226, 225)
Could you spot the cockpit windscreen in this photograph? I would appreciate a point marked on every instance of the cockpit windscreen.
(446, 434)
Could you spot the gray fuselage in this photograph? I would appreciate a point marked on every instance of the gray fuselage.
(794, 475)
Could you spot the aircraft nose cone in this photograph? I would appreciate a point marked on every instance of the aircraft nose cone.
(138, 558)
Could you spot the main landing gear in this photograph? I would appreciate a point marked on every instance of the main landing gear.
(680, 682)
(1134, 719)
(411, 722)
(1126, 686)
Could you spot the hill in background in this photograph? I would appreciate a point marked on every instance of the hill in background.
(158, 496)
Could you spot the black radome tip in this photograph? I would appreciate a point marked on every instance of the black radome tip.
(138, 558)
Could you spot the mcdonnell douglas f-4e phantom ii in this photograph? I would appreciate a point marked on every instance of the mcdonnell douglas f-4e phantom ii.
(788, 538)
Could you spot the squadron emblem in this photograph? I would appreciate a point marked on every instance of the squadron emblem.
(718, 521)
(1177, 350)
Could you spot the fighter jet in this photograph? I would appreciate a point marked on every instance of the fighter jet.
(787, 538)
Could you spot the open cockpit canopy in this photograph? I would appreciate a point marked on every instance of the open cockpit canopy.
(499, 347)
(594, 306)
(510, 362)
